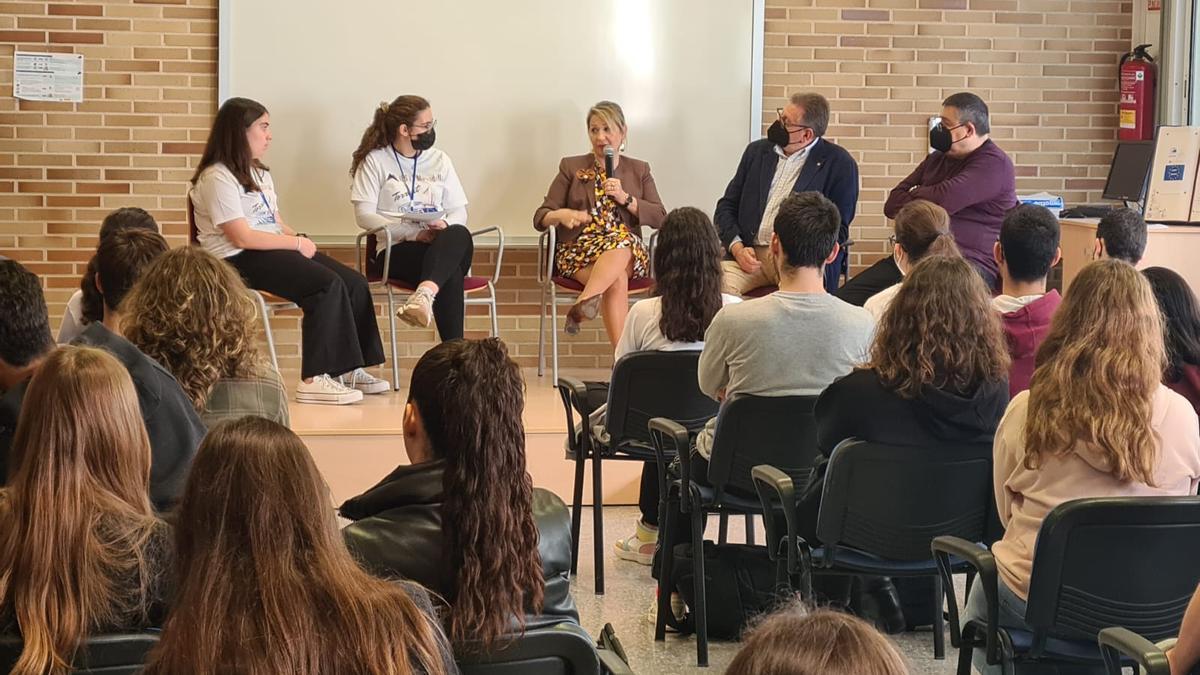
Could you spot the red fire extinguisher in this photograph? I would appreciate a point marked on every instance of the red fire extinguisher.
(1137, 96)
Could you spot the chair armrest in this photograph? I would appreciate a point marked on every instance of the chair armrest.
(669, 435)
(611, 664)
(985, 565)
(1118, 642)
(546, 243)
(776, 487)
(499, 248)
(574, 398)
(359, 260)
(650, 250)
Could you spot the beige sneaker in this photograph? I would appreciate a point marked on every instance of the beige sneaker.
(324, 389)
(639, 547)
(418, 310)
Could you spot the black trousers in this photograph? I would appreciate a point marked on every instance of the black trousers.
(339, 330)
(445, 262)
(870, 281)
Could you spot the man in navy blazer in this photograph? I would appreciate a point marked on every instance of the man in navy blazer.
(792, 158)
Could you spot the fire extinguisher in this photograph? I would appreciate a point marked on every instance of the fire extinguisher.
(1136, 108)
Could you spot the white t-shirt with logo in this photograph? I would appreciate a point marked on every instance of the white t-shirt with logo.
(388, 182)
(218, 198)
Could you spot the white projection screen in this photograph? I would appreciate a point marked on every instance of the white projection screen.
(510, 84)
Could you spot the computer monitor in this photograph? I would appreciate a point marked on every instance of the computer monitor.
(1129, 171)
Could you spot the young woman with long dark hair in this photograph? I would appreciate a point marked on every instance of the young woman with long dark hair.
(1181, 314)
(237, 218)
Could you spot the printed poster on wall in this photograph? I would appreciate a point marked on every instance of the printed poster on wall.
(42, 76)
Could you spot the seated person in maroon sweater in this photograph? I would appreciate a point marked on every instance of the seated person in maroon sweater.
(1027, 249)
(1181, 314)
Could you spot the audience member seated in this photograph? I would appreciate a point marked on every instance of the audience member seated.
(795, 640)
(1096, 422)
(795, 341)
(266, 584)
(922, 229)
(463, 519)
(1121, 234)
(687, 295)
(86, 305)
(192, 313)
(24, 343)
(1184, 657)
(1027, 249)
(81, 552)
(1181, 312)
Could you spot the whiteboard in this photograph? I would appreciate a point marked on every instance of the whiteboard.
(510, 84)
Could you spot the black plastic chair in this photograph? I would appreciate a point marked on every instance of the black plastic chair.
(644, 385)
(1121, 646)
(112, 654)
(561, 650)
(1101, 562)
(751, 430)
(881, 507)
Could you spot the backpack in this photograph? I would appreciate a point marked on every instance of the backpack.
(741, 582)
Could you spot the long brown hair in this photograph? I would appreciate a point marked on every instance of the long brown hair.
(191, 313)
(923, 229)
(939, 330)
(266, 584)
(76, 527)
(798, 641)
(470, 394)
(687, 267)
(388, 119)
(227, 142)
(1097, 372)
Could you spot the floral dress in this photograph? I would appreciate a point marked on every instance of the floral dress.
(604, 233)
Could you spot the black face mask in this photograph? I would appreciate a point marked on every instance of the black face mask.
(425, 140)
(940, 138)
(778, 134)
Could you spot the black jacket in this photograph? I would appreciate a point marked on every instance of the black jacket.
(828, 169)
(397, 532)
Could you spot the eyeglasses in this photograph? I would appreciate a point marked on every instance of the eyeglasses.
(788, 125)
(425, 127)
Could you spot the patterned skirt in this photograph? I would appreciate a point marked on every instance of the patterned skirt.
(573, 256)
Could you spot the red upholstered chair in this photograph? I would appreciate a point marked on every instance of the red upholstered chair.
(552, 284)
(478, 290)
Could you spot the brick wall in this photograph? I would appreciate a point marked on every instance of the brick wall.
(1046, 67)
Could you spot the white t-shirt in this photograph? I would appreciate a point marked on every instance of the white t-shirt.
(643, 334)
(218, 198)
(387, 181)
(877, 304)
(72, 323)
(1007, 303)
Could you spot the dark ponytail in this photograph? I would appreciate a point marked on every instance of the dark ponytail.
(387, 121)
(923, 229)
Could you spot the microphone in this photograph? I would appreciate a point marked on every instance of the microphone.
(609, 155)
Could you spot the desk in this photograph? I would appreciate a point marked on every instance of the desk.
(1176, 247)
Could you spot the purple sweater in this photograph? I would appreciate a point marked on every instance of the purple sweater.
(977, 190)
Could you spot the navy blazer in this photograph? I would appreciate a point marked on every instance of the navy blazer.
(829, 169)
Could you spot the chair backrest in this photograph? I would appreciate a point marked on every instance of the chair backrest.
(560, 650)
(752, 430)
(112, 654)
(892, 500)
(1115, 561)
(655, 384)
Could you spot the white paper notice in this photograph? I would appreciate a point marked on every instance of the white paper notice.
(40, 76)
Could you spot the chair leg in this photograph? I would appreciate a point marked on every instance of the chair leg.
(266, 320)
(492, 310)
(542, 337)
(750, 529)
(966, 651)
(700, 611)
(576, 511)
(939, 623)
(723, 528)
(554, 336)
(391, 304)
(666, 583)
(598, 520)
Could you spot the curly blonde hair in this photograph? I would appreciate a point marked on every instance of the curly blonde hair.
(940, 330)
(1097, 371)
(191, 312)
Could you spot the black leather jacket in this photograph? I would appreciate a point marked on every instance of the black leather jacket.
(397, 531)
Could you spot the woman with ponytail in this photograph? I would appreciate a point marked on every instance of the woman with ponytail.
(922, 230)
(464, 519)
(402, 183)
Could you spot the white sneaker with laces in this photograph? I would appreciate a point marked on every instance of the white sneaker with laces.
(326, 390)
(418, 310)
(365, 382)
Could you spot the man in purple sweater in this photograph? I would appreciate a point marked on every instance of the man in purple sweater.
(969, 176)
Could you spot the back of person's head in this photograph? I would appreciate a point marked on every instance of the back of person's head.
(469, 395)
(265, 582)
(1097, 371)
(227, 143)
(816, 110)
(75, 521)
(687, 271)
(971, 109)
(940, 331)
(1029, 242)
(807, 226)
(385, 123)
(191, 312)
(923, 229)
(120, 260)
(1181, 315)
(1124, 234)
(795, 640)
(126, 217)
(24, 320)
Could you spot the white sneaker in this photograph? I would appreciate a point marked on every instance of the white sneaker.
(364, 382)
(418, 310)
(325, 389)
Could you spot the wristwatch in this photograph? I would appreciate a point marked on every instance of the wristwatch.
(628, 201)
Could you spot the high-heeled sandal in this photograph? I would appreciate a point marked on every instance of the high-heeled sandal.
(584, 310)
